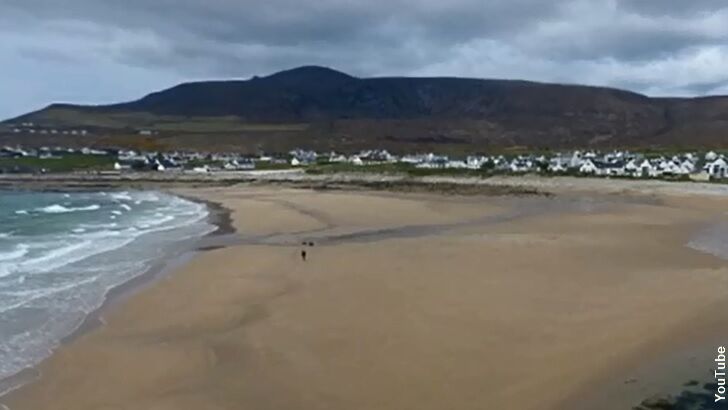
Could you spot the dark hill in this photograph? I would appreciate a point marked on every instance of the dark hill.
(313, 93)
(324, 108)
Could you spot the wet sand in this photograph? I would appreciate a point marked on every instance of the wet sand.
(410, 301)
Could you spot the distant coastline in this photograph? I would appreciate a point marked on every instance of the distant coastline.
(495, 185)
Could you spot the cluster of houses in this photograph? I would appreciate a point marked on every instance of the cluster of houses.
(32, 128)
(180, 161)
(707, 166)
(46, 152)
(615, 164)
(589, 163)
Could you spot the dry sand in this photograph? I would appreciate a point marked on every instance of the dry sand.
(406, 302)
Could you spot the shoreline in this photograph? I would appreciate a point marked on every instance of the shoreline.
(499, 185)
(259, 199)
(115, 297)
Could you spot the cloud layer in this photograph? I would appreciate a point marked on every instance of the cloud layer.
(98, 51)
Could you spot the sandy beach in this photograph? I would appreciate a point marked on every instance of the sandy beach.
(412, 301)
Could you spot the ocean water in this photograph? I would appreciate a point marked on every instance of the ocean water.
(712, 239)
(60, 254)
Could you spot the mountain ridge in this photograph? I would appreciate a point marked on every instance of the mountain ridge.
(327, 105)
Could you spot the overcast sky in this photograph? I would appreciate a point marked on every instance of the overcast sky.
(102, 51)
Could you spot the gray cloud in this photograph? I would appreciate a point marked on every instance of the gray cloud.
(673, 7)
(653, 46)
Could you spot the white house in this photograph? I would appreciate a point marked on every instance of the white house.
(611, 169)
(717, 169)
(476, 162)
(557, 167)
(337, 157)
(576, 160)
(433, 161)
(669, 167)
(631, 167)
(588, 167)
(520, 165)
(91, 151)
(411, 159)
(201, 170)
(687, 167)
(560, 163)
(647, 169)
(501, 163)
(457, 164)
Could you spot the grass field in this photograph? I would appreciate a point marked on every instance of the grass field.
(391, 168)
(71, 162)
(266, 165)
(128, 121)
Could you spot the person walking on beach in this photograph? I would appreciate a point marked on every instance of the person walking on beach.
(303, 255)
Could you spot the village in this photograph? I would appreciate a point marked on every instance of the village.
(706, 166)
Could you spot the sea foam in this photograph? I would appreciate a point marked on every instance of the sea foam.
(60, 209)
(19, 251)
(59, 264)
